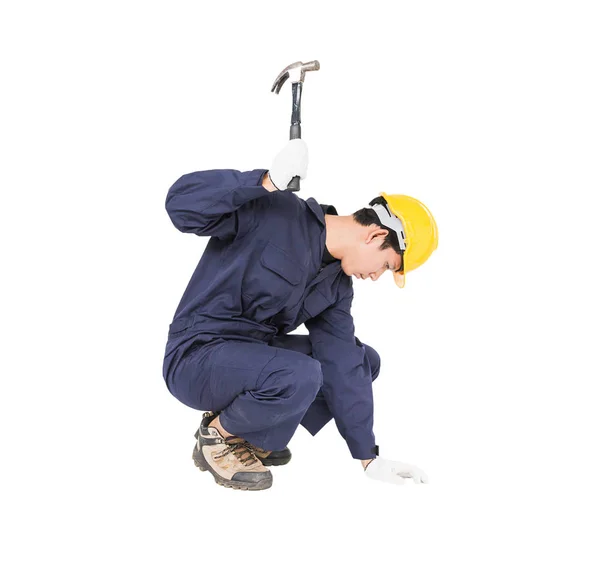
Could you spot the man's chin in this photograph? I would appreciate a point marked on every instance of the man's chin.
(350, 273)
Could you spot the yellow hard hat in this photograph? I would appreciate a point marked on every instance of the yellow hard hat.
(416, 229)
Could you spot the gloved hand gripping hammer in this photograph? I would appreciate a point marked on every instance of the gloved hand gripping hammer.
(295, 72)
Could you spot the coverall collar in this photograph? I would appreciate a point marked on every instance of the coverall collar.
(319, 209)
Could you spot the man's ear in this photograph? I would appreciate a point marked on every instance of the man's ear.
(376, 232)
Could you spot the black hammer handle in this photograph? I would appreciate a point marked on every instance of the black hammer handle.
(294, 184)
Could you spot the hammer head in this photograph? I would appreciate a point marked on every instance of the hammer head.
(295, 72)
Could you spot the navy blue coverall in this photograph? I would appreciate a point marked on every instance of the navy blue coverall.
(260, 277)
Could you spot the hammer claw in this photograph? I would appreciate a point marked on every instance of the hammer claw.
(279, 81)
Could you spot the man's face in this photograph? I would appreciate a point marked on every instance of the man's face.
(367, 260)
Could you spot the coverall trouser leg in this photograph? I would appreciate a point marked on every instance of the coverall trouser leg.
(318, 413)
(263, 391)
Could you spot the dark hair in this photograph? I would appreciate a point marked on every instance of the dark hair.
(367, 217)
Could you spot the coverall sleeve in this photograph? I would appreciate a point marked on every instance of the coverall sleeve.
(207, 202)
(347, 381)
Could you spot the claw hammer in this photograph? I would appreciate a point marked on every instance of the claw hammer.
(295, 72)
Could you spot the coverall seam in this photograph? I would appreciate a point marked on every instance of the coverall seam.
(228, 365)
(220, 198)
(263, 368)
(258, 222)
(230, 191)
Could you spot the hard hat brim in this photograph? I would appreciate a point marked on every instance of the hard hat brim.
(399, 278)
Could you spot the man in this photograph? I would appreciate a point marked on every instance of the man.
(274, 262)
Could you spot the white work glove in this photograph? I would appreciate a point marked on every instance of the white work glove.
(394, 472)
(292, 160)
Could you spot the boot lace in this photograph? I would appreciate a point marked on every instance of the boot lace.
(257, 451)
(239, 447)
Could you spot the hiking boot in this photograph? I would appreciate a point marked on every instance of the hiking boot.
(231, 462)
(271, 457)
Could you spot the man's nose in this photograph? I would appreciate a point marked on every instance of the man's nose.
(375, 276)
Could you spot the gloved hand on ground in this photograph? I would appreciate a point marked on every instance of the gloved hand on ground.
(292, 160)
(394, 472)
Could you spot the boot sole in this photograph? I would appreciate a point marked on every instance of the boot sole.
(203, 465)
(275, 461)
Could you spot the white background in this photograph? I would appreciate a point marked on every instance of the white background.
(487, 111)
